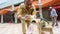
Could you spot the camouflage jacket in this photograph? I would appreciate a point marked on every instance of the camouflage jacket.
(23, 11)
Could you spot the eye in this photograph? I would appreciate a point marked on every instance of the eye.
(28, 3)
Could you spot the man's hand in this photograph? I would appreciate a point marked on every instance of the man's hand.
(23, 18)
(27, 16)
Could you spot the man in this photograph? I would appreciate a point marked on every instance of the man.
(25, 11)
(53, 16)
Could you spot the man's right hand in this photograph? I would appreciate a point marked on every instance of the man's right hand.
(23, 18)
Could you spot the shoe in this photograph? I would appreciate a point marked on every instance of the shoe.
(56, 25)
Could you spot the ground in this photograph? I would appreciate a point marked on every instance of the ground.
(10, 28)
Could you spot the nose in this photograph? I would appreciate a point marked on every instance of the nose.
(28, 6)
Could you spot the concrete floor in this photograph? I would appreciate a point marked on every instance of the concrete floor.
(10, 28)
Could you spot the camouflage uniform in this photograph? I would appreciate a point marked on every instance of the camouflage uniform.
(22, 11)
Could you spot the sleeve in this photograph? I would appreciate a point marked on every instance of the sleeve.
(19, 12)
(34, 12)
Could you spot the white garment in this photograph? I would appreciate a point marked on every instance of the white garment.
(29, 30)
(53, 12)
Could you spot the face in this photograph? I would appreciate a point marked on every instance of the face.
(28, 4)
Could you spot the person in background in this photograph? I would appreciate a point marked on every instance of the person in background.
(53, 15)
(24, 13)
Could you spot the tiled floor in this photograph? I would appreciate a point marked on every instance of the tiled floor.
(8, 28)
